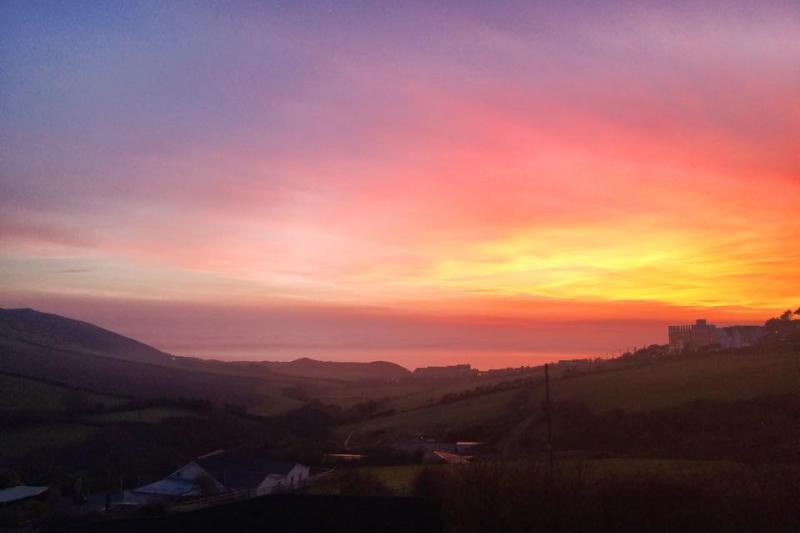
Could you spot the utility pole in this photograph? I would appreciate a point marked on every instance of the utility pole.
(549, 421)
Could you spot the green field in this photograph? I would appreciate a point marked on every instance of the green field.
(632, 387)
(350, 395)
(399, 479)
(23, 394)
(18, 442)
(411, 395)
(723, 377)
(274, 406)
(455, 416)
(149, 415)
(432, 394)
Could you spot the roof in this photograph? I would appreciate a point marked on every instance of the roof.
(451, 458)
(170, 486)
(21, 492)
(242, 469)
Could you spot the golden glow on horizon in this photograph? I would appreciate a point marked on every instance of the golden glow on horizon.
(593, 263)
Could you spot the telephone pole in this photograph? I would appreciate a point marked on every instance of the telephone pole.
(549, 421)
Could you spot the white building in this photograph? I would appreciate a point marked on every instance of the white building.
(223, 472)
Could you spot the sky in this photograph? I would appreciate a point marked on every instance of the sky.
(491, 182)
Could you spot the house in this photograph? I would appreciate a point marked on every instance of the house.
(451, 458)
(247, 471)
(469, 447)
(343, 458)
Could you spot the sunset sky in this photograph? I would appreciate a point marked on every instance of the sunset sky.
(278, 179)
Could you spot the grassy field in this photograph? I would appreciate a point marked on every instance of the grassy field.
(455, 416)
(23, 394)
(633, 387)
(18, 442)
(275, 405)
(672, 382)
(411, 395)
(399, 479)
(432, 394)
(351, 395)
(149, 415)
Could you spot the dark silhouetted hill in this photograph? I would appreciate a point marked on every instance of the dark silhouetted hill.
(78, 354)
(44, 329)
(59, 349)
(377, 370)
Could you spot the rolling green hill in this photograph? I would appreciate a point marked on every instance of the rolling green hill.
(725, 376)
(628, 386)
(29, 395)
(439, 419)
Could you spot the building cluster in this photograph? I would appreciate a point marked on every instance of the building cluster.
(701, 334)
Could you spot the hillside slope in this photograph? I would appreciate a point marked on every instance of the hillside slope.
(119, 376)
(48, 330)
(727, 376)
(733, 376)
(78, 354)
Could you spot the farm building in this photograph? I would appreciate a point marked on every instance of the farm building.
(223, 472)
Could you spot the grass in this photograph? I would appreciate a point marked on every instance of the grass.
(455, 416)
(432, 394)
(413, 395)
(149, 415)
(19, 442)
(722, 377)
(399, 479)
(632, 387)
(348, 396)
(274, 406)
(24, 394)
